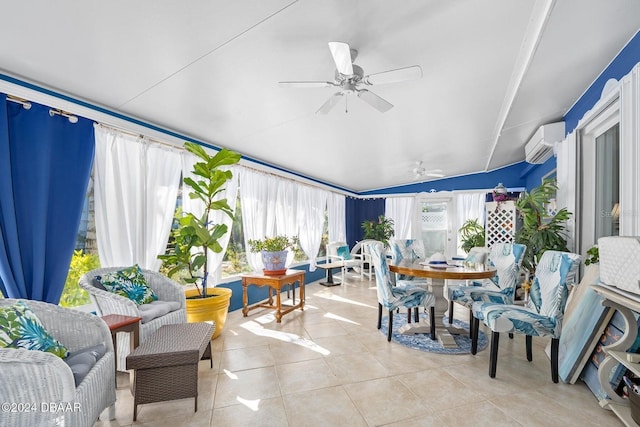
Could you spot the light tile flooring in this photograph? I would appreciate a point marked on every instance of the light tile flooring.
(329, 366)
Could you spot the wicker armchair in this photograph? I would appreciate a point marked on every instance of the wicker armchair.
(110, 303)
(42, 379)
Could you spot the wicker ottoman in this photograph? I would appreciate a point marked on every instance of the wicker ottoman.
(166, 364)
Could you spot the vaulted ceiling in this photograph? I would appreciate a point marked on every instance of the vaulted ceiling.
(493, 72)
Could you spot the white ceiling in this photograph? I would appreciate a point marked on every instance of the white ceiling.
(493, 71)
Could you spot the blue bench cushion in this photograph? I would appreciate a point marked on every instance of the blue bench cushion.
(157, 308)
(82, 361)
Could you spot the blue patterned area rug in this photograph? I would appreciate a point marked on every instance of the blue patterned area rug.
(423, 341)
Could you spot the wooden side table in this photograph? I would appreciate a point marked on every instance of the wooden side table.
(120, 323)
(275, 283)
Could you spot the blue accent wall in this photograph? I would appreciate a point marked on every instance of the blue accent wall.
(509, 176)
(621, 65)
(357, 211)
(533, 174)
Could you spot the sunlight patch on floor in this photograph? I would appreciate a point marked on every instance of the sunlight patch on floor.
(259, 330)
(340, 318)
(337, 298)
(230, 374)
(251, 404)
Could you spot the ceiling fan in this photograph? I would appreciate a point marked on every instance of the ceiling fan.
(350, 78)
(420, 172)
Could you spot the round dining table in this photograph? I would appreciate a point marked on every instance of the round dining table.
(438, 274)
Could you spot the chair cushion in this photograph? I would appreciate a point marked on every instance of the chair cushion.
(155, 309)
(515, 318)
(129, 283)
(343, 252)
(467, 295)
(82, 361)
(21, 328)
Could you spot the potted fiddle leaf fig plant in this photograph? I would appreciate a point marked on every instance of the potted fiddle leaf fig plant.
(196, 235)
(274, 252)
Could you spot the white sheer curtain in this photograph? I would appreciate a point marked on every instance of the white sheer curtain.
(286, 211)
(312, 203)
(469, 205)
(566, 162)
(400, 210)
(136, 185)
(196, 207)
(257, 196)
(336, 217)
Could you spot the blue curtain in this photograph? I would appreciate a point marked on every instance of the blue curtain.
(357, 211)
(45, 163)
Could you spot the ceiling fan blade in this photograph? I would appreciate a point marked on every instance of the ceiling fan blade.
(413, 72)
(435, 174)
(342, 57)
(306, 84)
(374, 100)
(330, 103)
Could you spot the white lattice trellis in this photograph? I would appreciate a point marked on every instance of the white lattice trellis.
(434, 220)
(500, 222)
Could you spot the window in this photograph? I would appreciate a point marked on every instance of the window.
(607, 183)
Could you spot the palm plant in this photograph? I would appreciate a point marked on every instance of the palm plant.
(380, 229)
(471, 234)
(540, 231)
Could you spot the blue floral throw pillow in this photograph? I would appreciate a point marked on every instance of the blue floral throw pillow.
(21, 328)
(129, 283)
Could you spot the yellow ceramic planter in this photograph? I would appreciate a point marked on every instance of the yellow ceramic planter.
(215, 307)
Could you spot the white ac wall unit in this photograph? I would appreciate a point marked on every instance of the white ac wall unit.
(539, 149)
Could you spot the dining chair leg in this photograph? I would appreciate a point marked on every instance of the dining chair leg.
(555, 344)
(493, 358)
(474, 336)
(379, 315)
(528, 340)
(471, 324)
(432, 321)
(451, 313)
(409, 315)
(390, 331)
(416, 314)
(510, 335)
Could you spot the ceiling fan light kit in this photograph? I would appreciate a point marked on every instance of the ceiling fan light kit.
(349, 77)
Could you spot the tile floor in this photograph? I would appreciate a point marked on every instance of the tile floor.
(330, 366)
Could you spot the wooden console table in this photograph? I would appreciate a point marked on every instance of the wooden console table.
(626, 304)
(275, 283)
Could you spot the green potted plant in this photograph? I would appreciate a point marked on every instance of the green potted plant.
(471, 234)
(593, 255)
(274, 252)
(540, 231)
(380, 229)
(195, 236)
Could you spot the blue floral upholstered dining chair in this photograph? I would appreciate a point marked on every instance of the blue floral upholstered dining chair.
(403, 294)
(507, 259)
(541, 316)
(407, 250)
